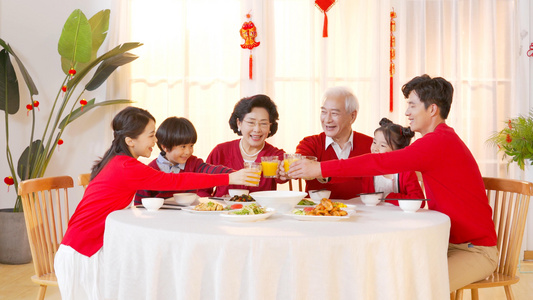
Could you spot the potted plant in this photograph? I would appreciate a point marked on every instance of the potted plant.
(78, 47)
(515, 140)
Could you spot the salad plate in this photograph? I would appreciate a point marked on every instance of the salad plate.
(190, 209)
(228, 202)
(247, 218)
(319, 218)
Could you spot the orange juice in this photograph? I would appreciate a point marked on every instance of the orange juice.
(257, 168)
(287, 162)
(253, 180)
(270, 168)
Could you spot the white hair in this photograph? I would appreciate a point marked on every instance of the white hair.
(350, 100)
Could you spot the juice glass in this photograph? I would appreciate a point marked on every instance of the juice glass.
(288, 159)
(257, 168)
(270, 166)
(310, 158)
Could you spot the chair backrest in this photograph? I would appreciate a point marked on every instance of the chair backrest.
(83, 179)
(300, 185)
(509, 199)
(46, 212)
(421, 181)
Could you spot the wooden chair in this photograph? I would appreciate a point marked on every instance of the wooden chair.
(83, 179)
(421, 182)
(300, 185)
(46, 212)
(509, 200)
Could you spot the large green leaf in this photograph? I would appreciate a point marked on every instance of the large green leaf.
(90, 105)
(27, 161)
(27, 78)
(75, 43)
(113, 52)
(99, 26)
(107, 67)
(9, 87)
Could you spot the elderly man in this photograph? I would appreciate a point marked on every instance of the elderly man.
(338, 141)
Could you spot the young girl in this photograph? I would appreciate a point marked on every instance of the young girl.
(176, 138)
(114, 181)
(389, 137)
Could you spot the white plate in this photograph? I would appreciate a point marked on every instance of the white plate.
(247, 218)
(348, 208)
(236, 202)
(320, 218)
(191, 209)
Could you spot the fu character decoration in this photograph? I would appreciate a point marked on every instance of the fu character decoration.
(249, 33)
(392, 68)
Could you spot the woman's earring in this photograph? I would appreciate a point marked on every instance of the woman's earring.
(239, 129)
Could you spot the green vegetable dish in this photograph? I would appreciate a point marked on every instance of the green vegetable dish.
(250, 209)
(306, 202)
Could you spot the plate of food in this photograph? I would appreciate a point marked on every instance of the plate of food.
(306, 202)
(240, 199)
(209, 207)
(300, 214)
(249, 213)
(327, 210)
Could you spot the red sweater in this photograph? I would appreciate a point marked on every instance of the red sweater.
(113, 189)
(340, 188)
(193, 165)
(229, 154)
(451, 178)
(408, 186)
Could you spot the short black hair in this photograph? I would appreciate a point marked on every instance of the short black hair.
(397, 136)
(245, 106)
(431, 91)
(175, 131)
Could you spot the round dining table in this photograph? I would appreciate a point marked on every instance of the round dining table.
(379, 252)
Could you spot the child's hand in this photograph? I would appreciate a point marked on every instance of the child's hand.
(247, 177)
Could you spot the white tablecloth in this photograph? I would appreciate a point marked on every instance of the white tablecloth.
(378, 253)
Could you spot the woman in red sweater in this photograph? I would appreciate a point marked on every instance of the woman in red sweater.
(255, 119)
(451, 177)
(389, 137)
(114, 181)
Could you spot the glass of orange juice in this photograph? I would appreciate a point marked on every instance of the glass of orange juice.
(288, 159)
(270, 166)
(257, 168)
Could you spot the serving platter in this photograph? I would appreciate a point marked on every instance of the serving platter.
(190, 209)
(319, 218)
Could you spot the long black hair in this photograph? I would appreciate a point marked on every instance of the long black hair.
(129, 122)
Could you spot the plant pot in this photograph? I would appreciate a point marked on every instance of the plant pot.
(14, 244)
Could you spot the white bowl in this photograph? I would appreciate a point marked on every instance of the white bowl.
(410, 205)
(185, 198)
(237, 192)
(152, 204)
(281, 201)
(318, 196)
(371, 199)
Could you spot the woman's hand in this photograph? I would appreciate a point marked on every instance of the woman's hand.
(247, 177)
(305, 168)
(281, 172)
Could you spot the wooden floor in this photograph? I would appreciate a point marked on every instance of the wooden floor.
(17, 285)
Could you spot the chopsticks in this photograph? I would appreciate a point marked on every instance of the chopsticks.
(316, 191)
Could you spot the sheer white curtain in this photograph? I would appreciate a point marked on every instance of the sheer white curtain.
(192, 64)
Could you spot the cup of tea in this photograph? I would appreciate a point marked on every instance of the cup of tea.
(313, 158)
(257, 170)
(288, 159)
(270, 166)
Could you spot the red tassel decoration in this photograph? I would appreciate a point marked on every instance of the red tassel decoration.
(250, 66)
(392, 68)
(324, 6)
(325, 29)
(391, 102)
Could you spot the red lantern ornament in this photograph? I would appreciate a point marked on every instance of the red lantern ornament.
(28, 107)
(59, 143)
(9, 181)
(324, 6)
(64, 88)
(392, 67)
(249, 33)
(36, 104)
(72, 72)
(83, 102)
(530, 51)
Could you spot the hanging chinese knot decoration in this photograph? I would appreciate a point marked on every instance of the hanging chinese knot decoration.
(249, 33)
(530, 51)
(392, 68)
(324, 6)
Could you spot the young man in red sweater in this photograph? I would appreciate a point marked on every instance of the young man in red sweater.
(338, 141)
(451, 177)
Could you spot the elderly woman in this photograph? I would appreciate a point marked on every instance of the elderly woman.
(255, 119)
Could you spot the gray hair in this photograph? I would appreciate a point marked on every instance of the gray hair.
(351, 102)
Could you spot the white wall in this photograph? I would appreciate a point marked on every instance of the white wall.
(33, 28)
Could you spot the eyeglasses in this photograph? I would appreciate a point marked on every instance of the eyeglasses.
(254, 124)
